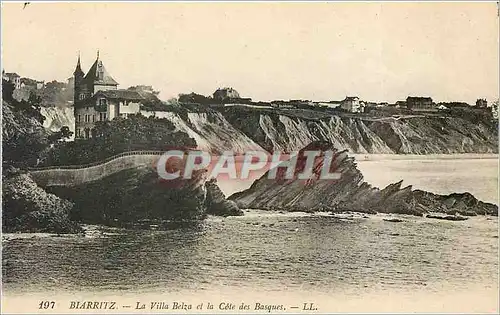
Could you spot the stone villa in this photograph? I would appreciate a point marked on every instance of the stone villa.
(97, 98)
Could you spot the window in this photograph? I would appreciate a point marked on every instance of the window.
(93, 118)
(102, 116)
(82, 96)
(102, 102)
(79, 118)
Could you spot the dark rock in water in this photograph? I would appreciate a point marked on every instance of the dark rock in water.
(216, 202)
(447, 217)
(29, 208)
(393, 220)
(462, 203)
(137, 194)
(350, 192)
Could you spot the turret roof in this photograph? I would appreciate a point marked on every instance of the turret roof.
(78, 69)
(93, 75)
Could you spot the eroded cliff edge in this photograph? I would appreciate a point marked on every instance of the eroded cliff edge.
(240, 128)
(440, 133)
(350, 192)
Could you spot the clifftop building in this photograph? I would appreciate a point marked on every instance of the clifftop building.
(97, 98)
(418, 102)
(225, 94)
(12, 77)
(352, 104)
(482, 103)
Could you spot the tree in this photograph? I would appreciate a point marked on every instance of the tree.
(117, 136)
(194, 98)
(24, 140)
(62, 134)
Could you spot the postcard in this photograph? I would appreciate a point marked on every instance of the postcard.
(249, 157)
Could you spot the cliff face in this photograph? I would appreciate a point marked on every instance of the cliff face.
(242, 129)
(291, 131)
(350, 193)
(211, 131)
(57, 117)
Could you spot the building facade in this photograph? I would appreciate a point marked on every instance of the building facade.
(352, 104)
(225, 94)
(97, 98)
(417, 102)
(12, 77)
(482, 102)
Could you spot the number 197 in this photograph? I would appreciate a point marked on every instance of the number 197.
(46, 305)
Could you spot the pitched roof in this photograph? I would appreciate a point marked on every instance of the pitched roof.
(93, 76)
(121, 95)
(12, 74)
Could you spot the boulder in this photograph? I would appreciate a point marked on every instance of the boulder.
(29, 208)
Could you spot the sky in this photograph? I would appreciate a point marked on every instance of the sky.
(316, 51)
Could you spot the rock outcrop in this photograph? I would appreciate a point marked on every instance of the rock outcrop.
(349, 192)
(457, 203)
(134, 195)
(216, 202)
(26, 207)
(139, 195)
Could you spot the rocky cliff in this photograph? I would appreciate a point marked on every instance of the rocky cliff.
(211, 131)
(26, 207)
(292, 130)
(348, 193)
(57, 117)
(138, 194)
(239, 128)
